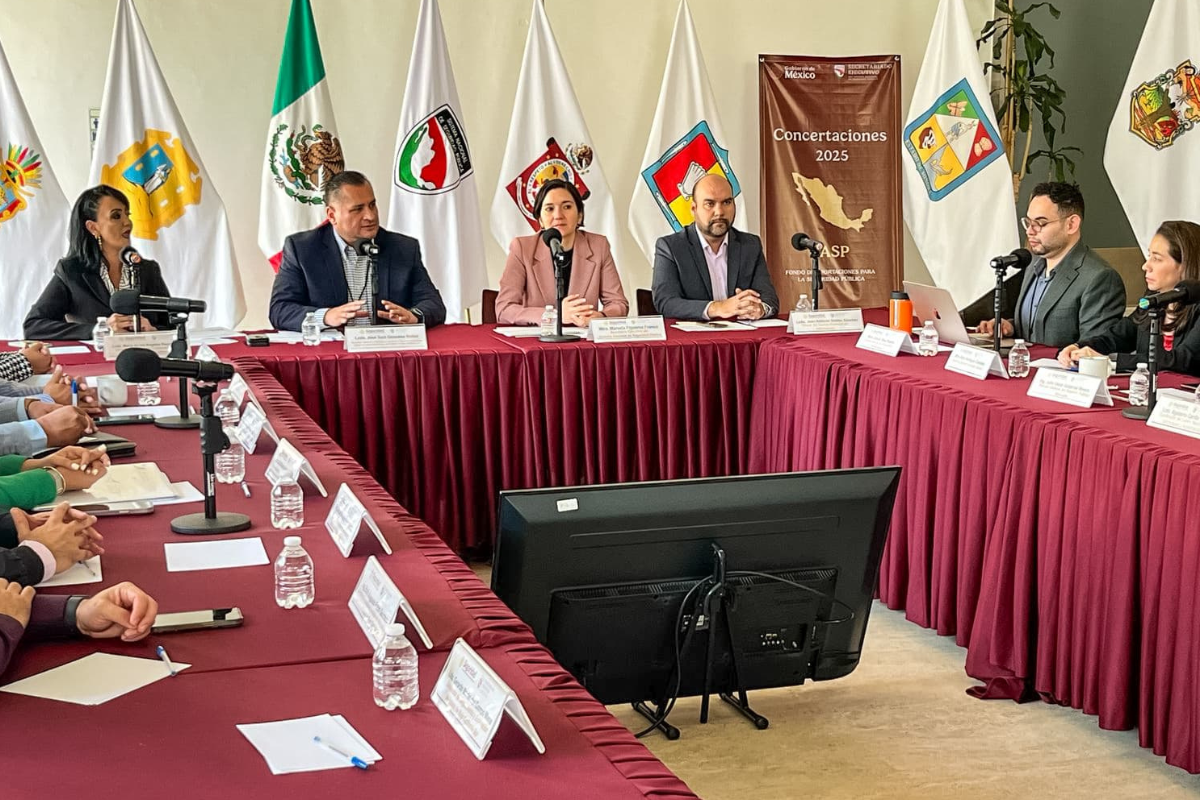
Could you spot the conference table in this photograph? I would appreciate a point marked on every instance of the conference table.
(1051, 542)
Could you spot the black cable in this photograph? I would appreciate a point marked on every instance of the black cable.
(809, 589)
(665, 709)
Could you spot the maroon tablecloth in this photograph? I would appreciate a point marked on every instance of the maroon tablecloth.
(177, 738)
(1050, 541)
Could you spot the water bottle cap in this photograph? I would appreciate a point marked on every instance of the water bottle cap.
(899, 295)
(549, 308)
(1143, 365)
(291, 541)
(928, 323)
(395, 629)
(1018, 341)
(101, 319)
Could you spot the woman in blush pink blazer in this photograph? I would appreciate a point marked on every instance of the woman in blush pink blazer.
(527, 285)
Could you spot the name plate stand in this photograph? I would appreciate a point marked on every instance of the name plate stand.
(610, 330)
(846, 320)
(1177, 413)
(474, 699)
(206, 353)
(345, 519)
(885, 341)
(287, 465)
(158, 341)
(375, 602)
(976, 362)
(385, 338)
(1071, 388)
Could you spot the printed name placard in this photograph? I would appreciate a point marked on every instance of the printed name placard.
(627, 329)
(885, 341)
(975, 362)
(473, 699)
(1060, 386)
(287, 465)
(251, 426)
(385, 338)
(345, 519)
(842, 320)
(375, 602)
(1177, 412)
(239, 389)
(158, 341)
(206, 353)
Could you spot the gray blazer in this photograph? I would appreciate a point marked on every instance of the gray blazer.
(1084, 298)
(682, 286)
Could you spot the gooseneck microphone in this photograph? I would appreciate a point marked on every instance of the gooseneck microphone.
(800, 241)
(131, 302)
(138, 365)
(1184, 293)
(1019, 259)
(553, 239)
(803, 243)
(132, 259)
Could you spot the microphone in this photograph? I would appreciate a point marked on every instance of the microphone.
(801, 242)
(366, 247)
(1020, 259)
(553, 240)
(1184, 293)
(131, 302)
(130, 257)
(138, 365)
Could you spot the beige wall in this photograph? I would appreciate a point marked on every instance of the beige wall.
(221, 58)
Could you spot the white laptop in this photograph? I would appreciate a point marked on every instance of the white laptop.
(932, 303)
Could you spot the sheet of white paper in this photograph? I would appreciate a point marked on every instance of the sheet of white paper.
(225, 554)
(769, 322)
(69, 350)
(137, 411)
(533, 331)
(1045, 363)
(185, 492)
(294, 337)
(714, 325)
(122, 483)
(287, 745)
(209, 335)
(213, 342)
(86, 572)
(93, 679)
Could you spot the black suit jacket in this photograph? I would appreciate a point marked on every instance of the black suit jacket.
(682, 286)
(311, 276)
(76, 296)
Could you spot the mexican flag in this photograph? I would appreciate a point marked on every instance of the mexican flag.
(303, 150)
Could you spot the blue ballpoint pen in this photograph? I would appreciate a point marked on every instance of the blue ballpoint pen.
(355, 760)
(74, 392)
(166, 659)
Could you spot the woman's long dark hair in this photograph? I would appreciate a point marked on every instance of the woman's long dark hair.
(83, 245)
(1183, 245)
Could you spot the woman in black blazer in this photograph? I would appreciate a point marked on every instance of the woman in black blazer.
(82, 285)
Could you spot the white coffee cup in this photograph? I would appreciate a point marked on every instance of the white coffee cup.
(112, 390)
(1096, 366)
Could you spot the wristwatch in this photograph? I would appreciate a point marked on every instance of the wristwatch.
(419, 314)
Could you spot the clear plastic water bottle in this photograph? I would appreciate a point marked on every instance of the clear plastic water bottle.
(310, 330)
(1018, 359)
(927, 343)
(549, 321)
(395, 670)
(148, 394)
(100, 333)
(294, 583)
(231, 462)
(803, 304)
(227, 409)
(1139, 386)
(287, 505)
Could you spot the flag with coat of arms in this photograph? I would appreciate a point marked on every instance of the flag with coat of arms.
(1152, 153)
(433, 176)
(958, 189)
(684, 144)
(547, 139)
(33, 210)
(144, 149)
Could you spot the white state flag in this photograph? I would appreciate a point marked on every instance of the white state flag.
(958, 188)
(547, 138)
(33, 210)
(144, 149)
(684, 145)
(433, 175)
(1152, 154)
(303, 150)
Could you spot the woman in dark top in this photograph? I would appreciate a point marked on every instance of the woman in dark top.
(82, 285)
(1174, 257)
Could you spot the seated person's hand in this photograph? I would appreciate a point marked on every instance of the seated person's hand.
(66, 533)
(576, 310)
(63, 424)
(338, 316)
(743, 304)
(124, 322)
(988, 325)
(39, 357)
(394, 312)
(93, 460)
(15, 601)
(123, 610)
(1069, 356)
(59, 389)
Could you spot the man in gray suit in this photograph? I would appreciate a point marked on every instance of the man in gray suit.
(1068, 293)
(700, 272)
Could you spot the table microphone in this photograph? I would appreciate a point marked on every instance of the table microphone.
(553, 239)
(800, 241)
(1184, 293)
(138, 365)
(1020, 259)
(131, 302)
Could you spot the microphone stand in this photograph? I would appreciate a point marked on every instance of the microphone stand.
(373, 267)
(560, 291)
(135, 272)
(998, 304)
(815, 255)
(212, 441)
(179, 349)
(1143, 412)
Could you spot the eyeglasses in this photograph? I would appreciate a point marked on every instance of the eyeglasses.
(1036, 225)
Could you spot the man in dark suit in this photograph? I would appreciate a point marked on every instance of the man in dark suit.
(323, 271)
(1068, 293)
(700, 272)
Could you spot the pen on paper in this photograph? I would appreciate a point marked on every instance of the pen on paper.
(91, 571)
(355, 760)
(166, 659)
